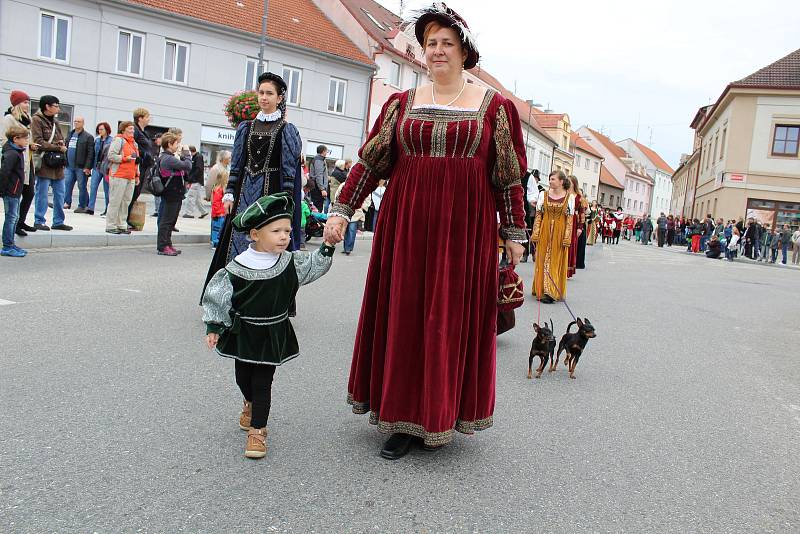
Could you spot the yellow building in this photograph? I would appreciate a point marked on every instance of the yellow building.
(749, 148)
(558, 127)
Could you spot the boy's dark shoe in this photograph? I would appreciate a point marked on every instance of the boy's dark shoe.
(42, 227)
(62, 227)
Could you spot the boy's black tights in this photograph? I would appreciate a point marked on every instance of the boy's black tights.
(255, 382)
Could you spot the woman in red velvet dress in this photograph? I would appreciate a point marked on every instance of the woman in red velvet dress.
(577, 226)
(424, 358)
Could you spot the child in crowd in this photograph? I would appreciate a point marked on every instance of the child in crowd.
(246, 307)
(12, 178)
(733, 244)
(217, 209)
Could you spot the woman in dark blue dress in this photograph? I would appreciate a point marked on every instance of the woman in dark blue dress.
(265, 160)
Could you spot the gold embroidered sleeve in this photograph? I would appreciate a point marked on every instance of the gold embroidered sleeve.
(568, 230)
(376, 159)
(537, 227)
(507, 173)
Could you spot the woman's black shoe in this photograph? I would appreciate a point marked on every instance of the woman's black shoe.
(26, 227)
(396, 446)
(20, 232)
(547, 299)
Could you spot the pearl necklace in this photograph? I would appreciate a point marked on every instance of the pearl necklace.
(463, 86)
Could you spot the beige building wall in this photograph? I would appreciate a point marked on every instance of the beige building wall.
(739, 142)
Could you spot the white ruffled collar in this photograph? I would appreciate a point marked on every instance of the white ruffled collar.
(268, 117)
(252, 259)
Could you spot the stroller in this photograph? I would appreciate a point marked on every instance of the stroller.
(315, 225)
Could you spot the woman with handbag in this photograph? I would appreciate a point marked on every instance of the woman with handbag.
(425, 351)
(123, 175)
(101, 145)
(50, 160)
(172, 173)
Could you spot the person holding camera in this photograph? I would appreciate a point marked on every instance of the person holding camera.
(123, 154)
(50, 160)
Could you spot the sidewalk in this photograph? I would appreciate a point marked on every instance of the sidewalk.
(90, 230)
(681, 249)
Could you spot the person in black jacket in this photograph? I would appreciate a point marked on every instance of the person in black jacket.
(173, 173)
(12, 180)
(80, 159)
(141, 118)
(195, 187)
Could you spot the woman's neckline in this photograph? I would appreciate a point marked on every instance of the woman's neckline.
(557, 199)
(431, 105)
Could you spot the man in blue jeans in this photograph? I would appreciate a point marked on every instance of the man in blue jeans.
(47, 137)
(80, 157)
(786, 241)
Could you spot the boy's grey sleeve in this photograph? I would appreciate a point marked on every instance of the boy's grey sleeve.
(312, 265)
(217, 303)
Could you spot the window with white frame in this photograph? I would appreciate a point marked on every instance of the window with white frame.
(586, 164)
(250, 74)
(292, 77)
(130, 52)
(584, 189)
(577, 160)
(394, 74)
(594, 191)
(54, 36)
(596, 166)
(176, 61)
(629, 204)
(414, 79)
(337, 92)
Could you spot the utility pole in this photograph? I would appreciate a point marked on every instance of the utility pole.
(263, 39)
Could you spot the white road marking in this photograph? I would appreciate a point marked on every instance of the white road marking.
(130, 290)
(794, 407)
(6, 302)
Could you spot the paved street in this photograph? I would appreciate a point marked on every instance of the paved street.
(685, 415)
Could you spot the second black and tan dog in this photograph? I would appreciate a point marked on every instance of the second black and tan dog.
(542, 346)
(573, 343)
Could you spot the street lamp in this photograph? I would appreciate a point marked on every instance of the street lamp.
(263, 39)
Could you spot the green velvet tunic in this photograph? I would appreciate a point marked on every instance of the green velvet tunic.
(249, 308)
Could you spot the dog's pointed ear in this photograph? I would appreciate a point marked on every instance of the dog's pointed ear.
(587, 321)
(536, 327)
(579, 322)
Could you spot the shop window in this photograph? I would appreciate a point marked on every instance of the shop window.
(54, 36)
(785, 140)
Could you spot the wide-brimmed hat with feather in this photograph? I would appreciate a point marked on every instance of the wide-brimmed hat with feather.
(439, 12)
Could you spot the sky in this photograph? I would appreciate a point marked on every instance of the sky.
(612, 65)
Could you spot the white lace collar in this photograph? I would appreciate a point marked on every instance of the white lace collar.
(268, 117)
(252, 259)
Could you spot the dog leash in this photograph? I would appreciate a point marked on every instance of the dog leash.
(560, 296)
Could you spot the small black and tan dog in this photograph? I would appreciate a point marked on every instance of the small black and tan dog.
(543, 346)
(574, 343)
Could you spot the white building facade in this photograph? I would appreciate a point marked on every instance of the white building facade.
(102, 60)
(655, 167)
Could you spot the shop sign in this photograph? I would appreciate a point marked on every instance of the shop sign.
(334, 151)
(217, 136)
(737, 178)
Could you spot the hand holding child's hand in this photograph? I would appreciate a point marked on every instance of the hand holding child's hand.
(334, 230)
(211, 340)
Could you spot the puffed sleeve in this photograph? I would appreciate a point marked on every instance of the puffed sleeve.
(537, 223)
(376, 159)
(509, 166)
(570, 221)
(312, 265)
(217, 303)
(238, 157)
(290, 155)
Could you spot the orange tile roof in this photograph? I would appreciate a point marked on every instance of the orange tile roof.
(612, 147)
(654, 157)
(607, 178)
(581, 144)
(298, 22)
(549, 120)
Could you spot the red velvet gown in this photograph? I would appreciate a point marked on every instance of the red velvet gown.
(573, 247)
(424, 356)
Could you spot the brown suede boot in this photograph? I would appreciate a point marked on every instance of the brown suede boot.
(256, 443)
(246, 415)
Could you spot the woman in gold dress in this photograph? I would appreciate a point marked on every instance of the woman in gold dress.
(552, 234)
